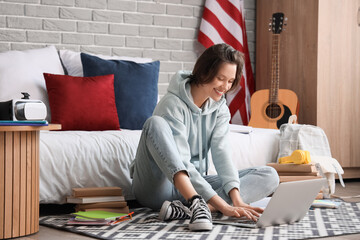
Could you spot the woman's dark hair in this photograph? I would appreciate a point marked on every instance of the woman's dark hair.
(208, 64)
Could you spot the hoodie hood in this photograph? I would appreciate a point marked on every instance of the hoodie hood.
(180, 86)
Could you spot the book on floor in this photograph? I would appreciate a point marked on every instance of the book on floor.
(115, 210)
(97, 199)
(116, 204)
(318, 203)
(298, 173)
(98, 218)
(96, 191)
(99, 215)
(291, 167)
(297, 178)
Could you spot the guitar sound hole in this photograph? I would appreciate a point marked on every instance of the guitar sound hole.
(273, 110)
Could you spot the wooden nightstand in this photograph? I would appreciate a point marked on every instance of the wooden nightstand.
(19, 179)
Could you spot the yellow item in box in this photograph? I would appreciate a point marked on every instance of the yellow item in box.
(297, 157)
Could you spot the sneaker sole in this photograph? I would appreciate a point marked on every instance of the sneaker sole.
(163, 210)
(202, 226)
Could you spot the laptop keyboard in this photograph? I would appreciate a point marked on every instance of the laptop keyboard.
(245, 221)
(221, 219)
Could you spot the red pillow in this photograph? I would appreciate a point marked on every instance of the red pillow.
(82, 103)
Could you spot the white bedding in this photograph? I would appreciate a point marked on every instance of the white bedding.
(253, 149)
(71, 159)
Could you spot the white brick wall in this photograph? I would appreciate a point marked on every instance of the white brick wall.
(164, 30)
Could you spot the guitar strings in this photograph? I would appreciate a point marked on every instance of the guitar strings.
(273, 107)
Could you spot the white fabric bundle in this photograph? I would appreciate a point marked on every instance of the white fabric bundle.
(328, 168)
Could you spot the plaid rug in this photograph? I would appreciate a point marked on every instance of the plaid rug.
(144, 225)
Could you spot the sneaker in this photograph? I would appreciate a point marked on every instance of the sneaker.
(173, 211)
(200, 215)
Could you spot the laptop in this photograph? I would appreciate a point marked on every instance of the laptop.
(289, 203)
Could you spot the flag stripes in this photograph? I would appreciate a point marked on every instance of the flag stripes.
(223, 21)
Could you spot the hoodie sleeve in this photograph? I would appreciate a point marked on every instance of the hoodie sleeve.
(175, 118)
(221, 151)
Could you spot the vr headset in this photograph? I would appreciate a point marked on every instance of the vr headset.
(23, 109)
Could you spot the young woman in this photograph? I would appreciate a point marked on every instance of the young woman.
(170, 167)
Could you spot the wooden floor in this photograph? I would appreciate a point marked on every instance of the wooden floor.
(45, 233)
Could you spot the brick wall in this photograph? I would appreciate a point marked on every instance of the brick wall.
(164, 30)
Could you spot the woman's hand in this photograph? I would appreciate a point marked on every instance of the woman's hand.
(238, 210)
(247, 211)
(242, 208)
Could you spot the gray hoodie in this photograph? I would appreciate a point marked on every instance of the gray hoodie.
(196, 130)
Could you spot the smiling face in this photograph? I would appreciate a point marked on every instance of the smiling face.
(222, 81)
(215, 72)
(217, 87)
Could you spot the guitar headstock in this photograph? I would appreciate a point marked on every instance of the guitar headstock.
(277, 23)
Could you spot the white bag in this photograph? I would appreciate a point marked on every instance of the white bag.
(303, 137)
(313, 139)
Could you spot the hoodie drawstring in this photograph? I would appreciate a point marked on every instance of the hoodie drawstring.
(206, 156)
(200, 145)
(200, 148)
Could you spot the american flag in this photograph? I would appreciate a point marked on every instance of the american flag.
(223, 21)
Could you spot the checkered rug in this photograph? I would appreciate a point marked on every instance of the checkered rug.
(144, 225)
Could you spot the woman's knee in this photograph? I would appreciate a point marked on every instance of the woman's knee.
(155, 124)
(272, 177)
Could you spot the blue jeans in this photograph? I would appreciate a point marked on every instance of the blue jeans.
(157, 161)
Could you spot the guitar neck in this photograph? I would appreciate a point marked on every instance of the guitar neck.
(275, 68)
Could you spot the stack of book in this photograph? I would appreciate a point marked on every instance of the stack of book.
(296, 172)
(108, 199)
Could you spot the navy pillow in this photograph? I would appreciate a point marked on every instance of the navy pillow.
(135, 86)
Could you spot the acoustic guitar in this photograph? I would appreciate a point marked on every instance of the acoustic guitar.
(270, 108)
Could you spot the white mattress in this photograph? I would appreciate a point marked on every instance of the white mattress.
(252, 149)
(71, 159)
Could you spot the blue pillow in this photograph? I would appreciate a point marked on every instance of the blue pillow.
(135, 86)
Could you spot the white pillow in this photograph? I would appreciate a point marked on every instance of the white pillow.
(22, 71)
(72, 61)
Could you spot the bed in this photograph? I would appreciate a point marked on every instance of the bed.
(101, 158)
